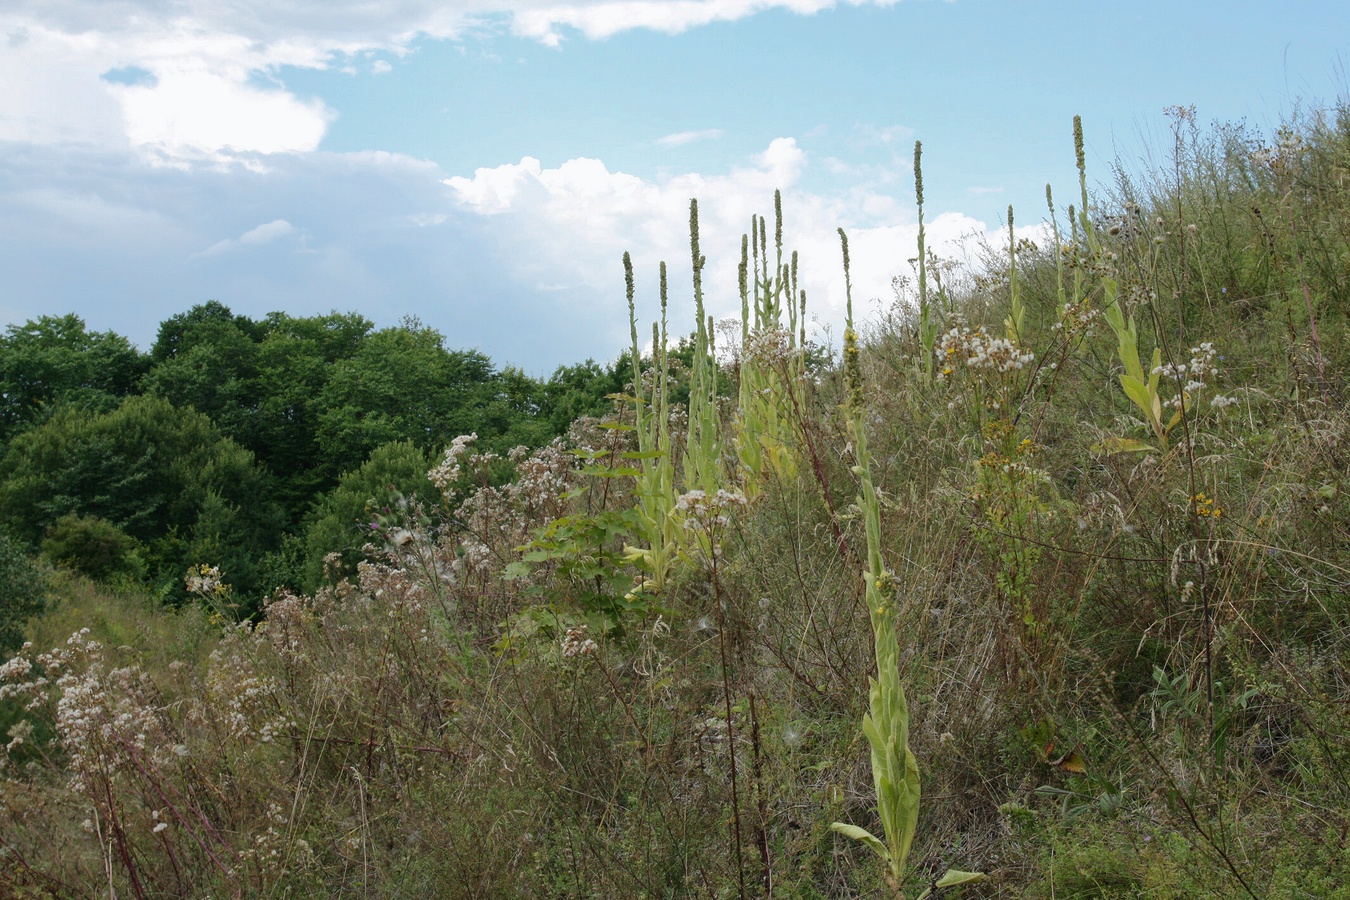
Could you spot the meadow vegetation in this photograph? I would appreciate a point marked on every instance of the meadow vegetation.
(1044, 575)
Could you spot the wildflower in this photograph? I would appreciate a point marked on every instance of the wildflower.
(1205, 507)
(576, 643)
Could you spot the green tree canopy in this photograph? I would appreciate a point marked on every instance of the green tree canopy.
(162, 475)
(55, 359)
(402, 384)
(260, 382)
(392, 477)
(582, 390)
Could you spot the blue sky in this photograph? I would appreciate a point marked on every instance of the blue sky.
(483, 164)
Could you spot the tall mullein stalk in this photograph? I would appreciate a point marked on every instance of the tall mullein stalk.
(928, 326)
(895, 771)
(702, 452)
(1016, 311)
(659, 519)
(1059, 251)
(771, 358)
(1140, 385)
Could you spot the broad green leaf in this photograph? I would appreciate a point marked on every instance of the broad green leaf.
(633, 554)
(1122, 445)
(517, 570)
(954, 877)
(1138, 393)
(862, 834)
(1176, 418)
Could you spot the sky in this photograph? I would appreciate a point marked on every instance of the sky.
(482, 165)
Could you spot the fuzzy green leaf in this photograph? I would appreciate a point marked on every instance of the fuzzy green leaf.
(862, 834)
(1113, 445)
(1138, 393)
(954, 877)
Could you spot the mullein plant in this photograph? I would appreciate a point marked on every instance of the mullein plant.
(928, 323)
(659, 522)
(702, 449)
(772, 357)
(895, 771)
(1140, 386)
(1014, 323)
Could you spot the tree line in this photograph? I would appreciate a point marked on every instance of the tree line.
(256, 445)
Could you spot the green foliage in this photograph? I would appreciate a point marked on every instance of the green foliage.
(349, 516)
(94, 547)
(22, 593)
(54, 360)
(163, 476)
(582, 389)
(401, 385)
(587, 555)
(260, 383)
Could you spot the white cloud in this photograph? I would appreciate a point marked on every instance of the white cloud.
(570, 225)
(205, 58)
(265, 233)
(199, 112)
(680, 138)
(605, 18)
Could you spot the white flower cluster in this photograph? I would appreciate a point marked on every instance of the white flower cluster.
(576, 643)
(1288, 149)
(204, 581)
(448, 471)
(1077, 319)
(245, 704)
(106, 718)
(769, 347)
(709, 512)
(1196, 375)
(980, 350)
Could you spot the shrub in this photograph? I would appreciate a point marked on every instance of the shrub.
(94, 547)
(22, 590)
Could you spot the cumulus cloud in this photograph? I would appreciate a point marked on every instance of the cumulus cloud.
(605, 18)
(202, 60)
(187, 113)
(570, 225)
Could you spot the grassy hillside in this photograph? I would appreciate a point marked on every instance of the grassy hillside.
(1044, 578)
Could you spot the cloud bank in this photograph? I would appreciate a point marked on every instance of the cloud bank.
(567, 228)
(206, 92)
